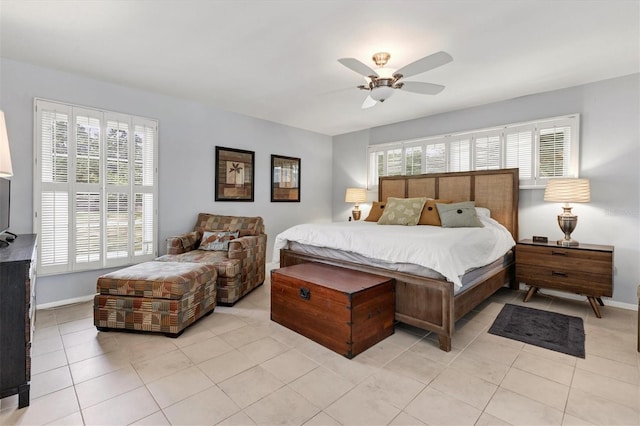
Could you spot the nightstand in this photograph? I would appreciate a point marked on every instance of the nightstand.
(586, 269)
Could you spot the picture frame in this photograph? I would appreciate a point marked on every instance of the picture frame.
(234, 174)
(285, 179)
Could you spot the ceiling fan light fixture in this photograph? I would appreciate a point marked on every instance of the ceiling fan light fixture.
(381, 82)
(381, 58)
(381, 93)
(383, 73)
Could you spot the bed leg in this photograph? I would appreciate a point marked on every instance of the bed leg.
(513, 283)
(444, 342)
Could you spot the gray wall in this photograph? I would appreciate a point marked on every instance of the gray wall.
(188, 133)
(609, 156)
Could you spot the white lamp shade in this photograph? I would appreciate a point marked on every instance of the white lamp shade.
(6, 169)
(355, 195)
(568, 191)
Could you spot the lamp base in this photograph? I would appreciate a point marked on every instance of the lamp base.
(567, 223)
(356, 214)
(568, 243)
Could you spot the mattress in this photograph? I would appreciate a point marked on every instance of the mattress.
(468, 279)
(449, 252)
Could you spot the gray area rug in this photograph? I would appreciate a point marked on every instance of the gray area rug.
(550, 330)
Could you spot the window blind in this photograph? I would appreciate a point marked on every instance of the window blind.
(106, 215)
(540, 149)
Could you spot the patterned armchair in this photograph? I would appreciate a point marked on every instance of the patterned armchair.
(241, 268)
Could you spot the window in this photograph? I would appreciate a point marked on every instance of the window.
(413, 160)
(95, 192)
(541, 149)
(385, 160)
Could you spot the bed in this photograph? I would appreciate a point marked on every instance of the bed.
(432, 302)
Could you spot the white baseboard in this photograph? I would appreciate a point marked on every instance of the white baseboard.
(64, 302)
(562, 294)
(59, 303)
(272, 265)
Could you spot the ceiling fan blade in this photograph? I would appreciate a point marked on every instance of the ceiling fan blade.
(369, 102)
(357, 66)
(425, 64)
(422, 88)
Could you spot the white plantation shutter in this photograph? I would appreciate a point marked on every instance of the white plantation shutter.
(143, 187)
(393, 163)
(459, 155)
(88, 246)
(144, 154)
(53, 126)
(540, 149)
(143, 224)
(554, 151)
(117, 153)
(54, 230)
(413, 160)
(519, 146)
(118, 189)
(436, 157)
(384, 160)
(86, 144)
(106, 215)
(87, 147)
(117, 225)
(52, 130)
(487, 151)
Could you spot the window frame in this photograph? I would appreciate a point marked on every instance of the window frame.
(469, 140)
(142, 226)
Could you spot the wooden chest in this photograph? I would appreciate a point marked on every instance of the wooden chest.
(346, 311)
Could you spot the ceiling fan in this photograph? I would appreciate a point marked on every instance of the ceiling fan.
(382, 82)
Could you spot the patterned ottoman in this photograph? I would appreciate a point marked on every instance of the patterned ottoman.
(155, 296)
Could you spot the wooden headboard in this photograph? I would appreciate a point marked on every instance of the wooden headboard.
(496, 190)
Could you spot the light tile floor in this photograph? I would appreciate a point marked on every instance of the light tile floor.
(236, 367)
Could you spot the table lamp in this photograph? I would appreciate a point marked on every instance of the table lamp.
(570, 190)
(357, 196)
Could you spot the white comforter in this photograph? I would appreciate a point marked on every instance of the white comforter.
(449, 251)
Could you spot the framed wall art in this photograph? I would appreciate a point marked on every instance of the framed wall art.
(234, 177)
(285, 179)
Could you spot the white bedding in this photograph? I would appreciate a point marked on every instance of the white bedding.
(449, 251)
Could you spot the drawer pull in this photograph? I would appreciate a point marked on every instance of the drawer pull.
(559, 274)
(558, 253)
(305, 293)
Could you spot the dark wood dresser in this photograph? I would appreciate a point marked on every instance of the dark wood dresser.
(344, 310)
(17, 316)
(586, 269)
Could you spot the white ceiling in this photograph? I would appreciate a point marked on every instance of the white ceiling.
(277, 60)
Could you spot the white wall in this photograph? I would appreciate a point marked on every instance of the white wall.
(188, 133)
(609, 156)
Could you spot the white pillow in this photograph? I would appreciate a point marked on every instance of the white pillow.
(482, 211)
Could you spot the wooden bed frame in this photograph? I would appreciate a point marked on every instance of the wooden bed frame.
(429, 303)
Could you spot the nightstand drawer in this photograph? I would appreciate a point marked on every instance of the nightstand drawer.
(594, 262)
(565, 279)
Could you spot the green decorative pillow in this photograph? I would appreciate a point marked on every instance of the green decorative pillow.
(402, 211)
(217, 240)
(459, 215)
